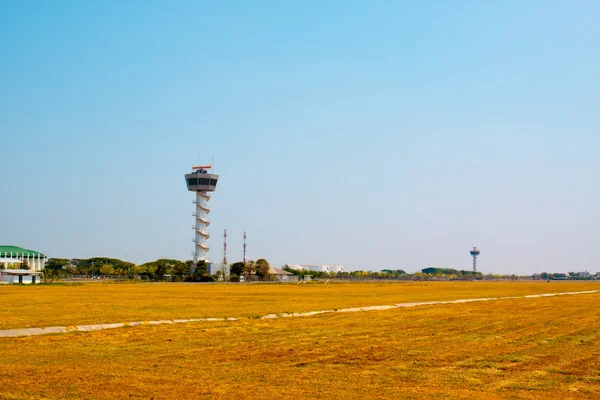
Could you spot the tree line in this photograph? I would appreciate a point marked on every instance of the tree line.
(158, 270)
(399, 274)
(175, 270)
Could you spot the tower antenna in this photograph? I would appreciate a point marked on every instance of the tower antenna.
(225, 247)
(244, 247)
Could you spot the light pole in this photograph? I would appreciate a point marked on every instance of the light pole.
(93, 262)
(43, 260)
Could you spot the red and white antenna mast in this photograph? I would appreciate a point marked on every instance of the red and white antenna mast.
(244, 247)
(225, 247)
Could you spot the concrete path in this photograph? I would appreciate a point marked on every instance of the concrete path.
(12, 333)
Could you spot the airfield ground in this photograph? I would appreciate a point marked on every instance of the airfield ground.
(517, 348)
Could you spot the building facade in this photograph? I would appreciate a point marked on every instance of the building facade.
(327, 268)
(31, 258)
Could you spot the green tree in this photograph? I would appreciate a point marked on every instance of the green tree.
(107, 269)
(262, 268)
(70, 269)
(201, 268)
(293, 270)
(180, 270)
(394, 272)
(237, 268)
(163, 267)
(80, 265)
(190, 266)
(201, 272)
(85, 266)
(249, 268)
(148, 270)
(135, 270)
(53, 268)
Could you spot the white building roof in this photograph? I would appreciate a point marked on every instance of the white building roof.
(277, 271)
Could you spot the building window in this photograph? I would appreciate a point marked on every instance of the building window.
(202, 182)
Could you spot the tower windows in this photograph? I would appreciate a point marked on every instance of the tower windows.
(201, 182)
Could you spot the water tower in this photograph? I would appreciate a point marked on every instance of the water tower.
(202, 182)
(475, 253)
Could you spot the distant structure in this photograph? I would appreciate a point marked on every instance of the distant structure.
(475, 253)
(225, 247)
(244, 247)
(18, 255)
(201, 182)
(328, 268)
(224, 267)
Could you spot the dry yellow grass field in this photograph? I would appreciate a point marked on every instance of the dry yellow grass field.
(40, 306)
(518, 348)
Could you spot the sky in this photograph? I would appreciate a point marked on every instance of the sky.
(376, 135)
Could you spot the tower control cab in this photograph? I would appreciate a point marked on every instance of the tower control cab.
(199, 180)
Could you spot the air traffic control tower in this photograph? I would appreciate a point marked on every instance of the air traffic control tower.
(201, 182)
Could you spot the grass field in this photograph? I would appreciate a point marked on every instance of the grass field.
(517, 348)
(40, 306)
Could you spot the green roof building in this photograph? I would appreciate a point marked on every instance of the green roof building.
(12, 254)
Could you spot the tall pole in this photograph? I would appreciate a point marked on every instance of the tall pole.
(225, 247)
(244, 247)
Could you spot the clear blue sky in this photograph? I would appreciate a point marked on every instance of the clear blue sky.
(384, 134)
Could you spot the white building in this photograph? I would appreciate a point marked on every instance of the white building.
(297, 267)
(13, 254)
(327, 268)
(334, 268)
(317, 267)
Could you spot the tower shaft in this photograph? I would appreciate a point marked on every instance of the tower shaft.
(202, 222)
(474, 253)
